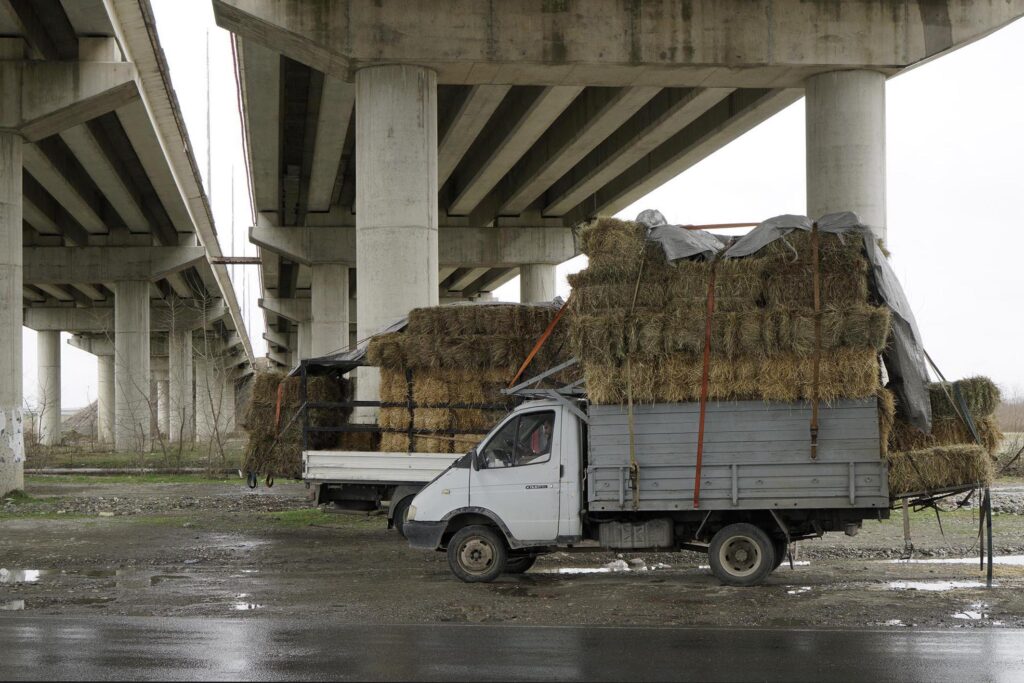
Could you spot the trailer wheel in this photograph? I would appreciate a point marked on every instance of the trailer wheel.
(741, 555)
(519, 565)
(398, 514)
(477, 553)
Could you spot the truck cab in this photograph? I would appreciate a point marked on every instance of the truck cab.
(523, 481)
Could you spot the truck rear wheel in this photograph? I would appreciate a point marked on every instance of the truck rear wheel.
(477, 553)
(741, 555)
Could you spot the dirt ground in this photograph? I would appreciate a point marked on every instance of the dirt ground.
(77, 546)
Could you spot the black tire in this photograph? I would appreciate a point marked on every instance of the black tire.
(520, 564)
(781, 549)
(741, 555)
(398, 514)
(477, 554)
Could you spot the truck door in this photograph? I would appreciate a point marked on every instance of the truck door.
(518, 476)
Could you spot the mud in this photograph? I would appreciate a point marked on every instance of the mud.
(220, 550)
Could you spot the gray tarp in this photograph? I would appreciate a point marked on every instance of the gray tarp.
(904, 356)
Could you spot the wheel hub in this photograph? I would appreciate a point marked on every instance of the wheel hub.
(740, 556)
(476, 555)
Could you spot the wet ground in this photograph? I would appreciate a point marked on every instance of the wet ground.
(120, 648)
(219, 550)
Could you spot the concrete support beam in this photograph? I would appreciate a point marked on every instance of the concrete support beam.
(48, 357)
(668, 114)
(49, 174)
(105, 399)
(57, 265)
(12, 441)
(534, 111)
(180, 377)
(337, 103)
(396, 201)
(56, 96)
(610, 42)
(457, 246)
(279, 358)
(469, 119)
(131, 365)
(275, 337)
(536, 283)
(261, 90)
(293, 310)
(102, 320)
(305, 340)
(329, 303)
(846, 146)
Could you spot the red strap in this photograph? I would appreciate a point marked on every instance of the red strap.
(540, 342)
(704, 384)
(277, 409)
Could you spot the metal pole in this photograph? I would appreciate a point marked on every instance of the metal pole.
(988, 523)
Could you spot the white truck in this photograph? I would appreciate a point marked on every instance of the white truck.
(559, 474)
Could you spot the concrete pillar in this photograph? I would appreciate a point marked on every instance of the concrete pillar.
(131, 365)
(48, 357)
(330, 308)
(536, 283)
(396, 202)
(227, 414)
(12, 440)
(212, 399)
(304, 340)
(163, 406)
(846, 145)
(179, 364)
(105, 399)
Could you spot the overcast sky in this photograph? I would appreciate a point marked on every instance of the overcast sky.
(955, 206)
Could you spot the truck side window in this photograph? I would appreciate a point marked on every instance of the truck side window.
(525, 440)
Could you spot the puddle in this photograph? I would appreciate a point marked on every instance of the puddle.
(784, 565)
(33, 575)
(161, 578)
(613, 566)
(933, 585)
(21, 575)
(12, 606)
(974, 612)
(245, 606)
(1012, 560)
(798, 591)
(894, 622)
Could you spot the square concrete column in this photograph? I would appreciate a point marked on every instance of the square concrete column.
(131, 365)
(846, 146)
(179, 376)
(48, 357)
(304, 339)
(330, 308)
(163, 405)
(105, 399)
(396, 202)
(536, 283)
(12, 441)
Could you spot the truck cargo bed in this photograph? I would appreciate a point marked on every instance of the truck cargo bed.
(373, 467)
(757, 455)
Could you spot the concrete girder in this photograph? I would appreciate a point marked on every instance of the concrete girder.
(610, 42)
(261, 89)
(103, 344)
(83, 208)
(725, 122)
(281, 359)
(666, 115)
(277, 338)
(292, 310)
(56, 96)
(101, 320)
(30, 294)
(89, 290)
(472, 114)
(463, 278)
(337, 103)
(58, 265)
(500, 146)
(56, 291)
(46, 214)
(493, 247)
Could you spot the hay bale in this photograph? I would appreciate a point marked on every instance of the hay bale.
(945, 432)
(792, 287)
(886, 417)
(980, 393)
(394, 388)
(394, 418)
(387, 351)
(394, 442)
(938, 467)
(463, 443)
(835, 252)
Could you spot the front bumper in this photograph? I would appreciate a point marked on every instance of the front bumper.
(424, 535)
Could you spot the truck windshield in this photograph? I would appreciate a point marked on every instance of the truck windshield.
(526, 440)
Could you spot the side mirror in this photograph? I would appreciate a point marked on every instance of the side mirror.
(474, 458)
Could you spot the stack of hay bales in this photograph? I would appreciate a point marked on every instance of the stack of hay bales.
(275, 438)
(631, 303)
(442, 376)
(982, 398)
(939, 467)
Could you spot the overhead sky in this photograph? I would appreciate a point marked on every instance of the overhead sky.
(955, 193)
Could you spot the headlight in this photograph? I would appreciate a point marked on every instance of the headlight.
(411, 514)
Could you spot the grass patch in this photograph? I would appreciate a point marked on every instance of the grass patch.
(18, 498)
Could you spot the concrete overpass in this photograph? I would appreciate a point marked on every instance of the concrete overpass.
(104, 227)
(439, 152)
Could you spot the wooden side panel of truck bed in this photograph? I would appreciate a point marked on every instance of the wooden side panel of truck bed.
(757, 455)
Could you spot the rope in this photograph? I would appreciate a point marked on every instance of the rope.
(709, 312)
(816, 373)
(634, 466)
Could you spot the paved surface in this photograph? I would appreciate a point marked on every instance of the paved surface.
(44, 648)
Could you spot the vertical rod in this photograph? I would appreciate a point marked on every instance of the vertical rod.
(988, 524)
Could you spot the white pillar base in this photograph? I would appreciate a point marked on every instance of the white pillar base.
(536, 283)
(131, 366)
(48, 343)
(105, 399)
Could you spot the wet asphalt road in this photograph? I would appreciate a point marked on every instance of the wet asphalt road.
(44, 648)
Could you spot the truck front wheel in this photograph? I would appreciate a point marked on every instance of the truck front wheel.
(477, 553)
(398, 514)
(520, 564)
(741, 555)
